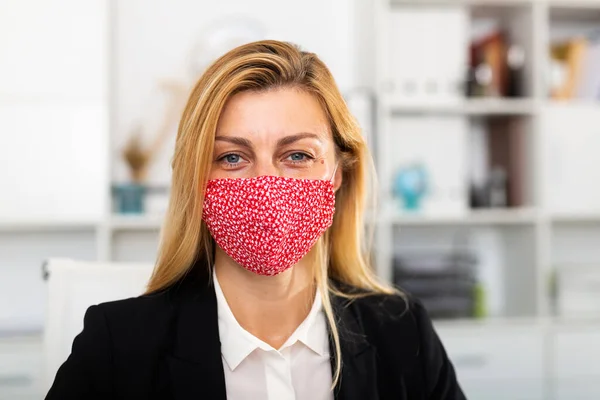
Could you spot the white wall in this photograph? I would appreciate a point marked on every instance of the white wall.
(53, 110)
(53, 142)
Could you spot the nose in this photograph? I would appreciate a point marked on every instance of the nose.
(266, 168)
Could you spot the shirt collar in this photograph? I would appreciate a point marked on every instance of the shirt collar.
(237, 343)
(312, 332)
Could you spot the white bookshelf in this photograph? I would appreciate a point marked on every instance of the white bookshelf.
(474, 218)
(46, 226)
(135, 223)
(470, 3)
(479, 107)
(534, 22)
(533, 241)
(576, 218)
(578, 5)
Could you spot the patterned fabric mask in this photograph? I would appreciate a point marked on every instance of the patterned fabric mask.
(268, 223)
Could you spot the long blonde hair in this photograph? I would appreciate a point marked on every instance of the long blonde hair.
(341, 252)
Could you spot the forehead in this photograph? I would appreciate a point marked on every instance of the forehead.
(275, 113)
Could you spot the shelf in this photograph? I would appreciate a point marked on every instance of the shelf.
(491, 322)
(573, 103)
(22, 336)
(135, 222)
(488, 107)
(574, 4)
(115, 223)
(487, 217)
(475, 107)
(576, 218)
(550, 323)
(46, 226)
(574, 322)
(503, 3)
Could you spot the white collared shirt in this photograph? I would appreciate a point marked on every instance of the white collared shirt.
(299, 370)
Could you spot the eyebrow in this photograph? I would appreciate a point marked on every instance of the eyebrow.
(285, 141)
(296, 137)
(235, 140)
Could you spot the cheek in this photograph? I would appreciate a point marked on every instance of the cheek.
(215, 172)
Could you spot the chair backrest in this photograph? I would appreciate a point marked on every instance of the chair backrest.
(73, 286)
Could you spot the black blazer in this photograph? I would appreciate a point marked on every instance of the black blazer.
(166, 346)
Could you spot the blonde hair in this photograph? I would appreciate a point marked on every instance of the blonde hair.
(341, 252)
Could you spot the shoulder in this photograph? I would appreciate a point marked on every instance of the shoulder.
(397, 320)
(400, 329)
(392, 316)
(390, 305)
(391, 322)
(139, 320)
(127, 333)
(136, 307)
(381, 309)
(155, 306)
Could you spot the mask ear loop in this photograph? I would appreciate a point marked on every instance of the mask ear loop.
(334, 171)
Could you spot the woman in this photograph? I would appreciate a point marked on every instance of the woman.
(261, 289)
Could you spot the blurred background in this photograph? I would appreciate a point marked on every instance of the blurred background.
(483, 117)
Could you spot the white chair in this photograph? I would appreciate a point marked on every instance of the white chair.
(73, 286)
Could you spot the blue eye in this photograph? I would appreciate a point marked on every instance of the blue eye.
(232, 158)
(298, 157)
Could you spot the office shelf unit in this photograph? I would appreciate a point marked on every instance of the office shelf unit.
(524, 349)
(532, 24)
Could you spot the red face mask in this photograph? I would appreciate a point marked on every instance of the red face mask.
(268, 223)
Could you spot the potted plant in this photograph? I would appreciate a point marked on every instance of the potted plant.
(130, 196)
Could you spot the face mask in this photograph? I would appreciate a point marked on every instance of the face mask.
(268, 223)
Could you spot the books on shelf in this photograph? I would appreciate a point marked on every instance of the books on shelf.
(445, 281)
(497, 158)
(575, 69)
(496, 66)
(589, 86)
(428, 53)
(438, 56)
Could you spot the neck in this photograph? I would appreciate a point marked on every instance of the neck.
(269, 307)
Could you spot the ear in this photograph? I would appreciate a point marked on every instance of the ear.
(337, 179)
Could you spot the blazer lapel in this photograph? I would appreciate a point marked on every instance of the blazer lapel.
(359, 374)
(195, 365)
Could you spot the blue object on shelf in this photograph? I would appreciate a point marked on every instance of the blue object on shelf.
(410, 184)
(129, 198)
